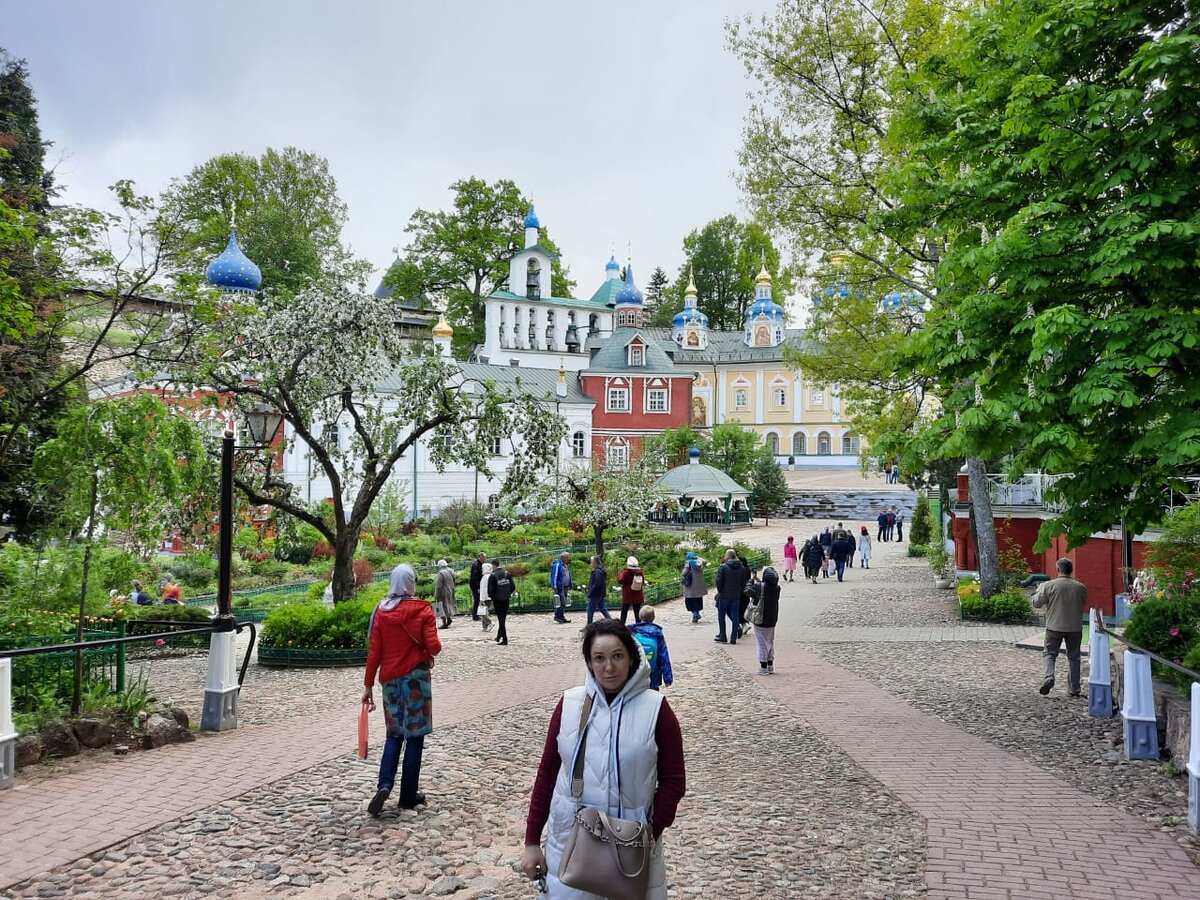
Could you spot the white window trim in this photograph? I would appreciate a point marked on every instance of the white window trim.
(666, 398)
(608, 400)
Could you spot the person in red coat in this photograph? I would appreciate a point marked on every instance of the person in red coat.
(633, 589)
(402, 642)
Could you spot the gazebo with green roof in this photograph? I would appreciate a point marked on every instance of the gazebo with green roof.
(701, 495)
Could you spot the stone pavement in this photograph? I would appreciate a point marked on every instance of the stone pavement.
(995, 825)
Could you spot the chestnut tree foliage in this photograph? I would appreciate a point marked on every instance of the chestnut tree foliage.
(331, 353)
(1053, 157)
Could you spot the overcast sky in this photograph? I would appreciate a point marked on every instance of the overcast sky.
(621, 120)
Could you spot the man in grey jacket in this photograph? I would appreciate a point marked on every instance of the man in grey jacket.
(1065, 600)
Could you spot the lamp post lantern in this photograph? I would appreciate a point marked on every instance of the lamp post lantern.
(221, 687)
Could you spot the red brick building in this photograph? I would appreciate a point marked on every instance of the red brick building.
(638, 391)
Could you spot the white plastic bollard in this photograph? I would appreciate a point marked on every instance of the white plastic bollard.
(8, 736)
(1141, 727)
(1100, 705)
(1193, 765)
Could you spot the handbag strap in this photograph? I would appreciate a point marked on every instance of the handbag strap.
(577, 771)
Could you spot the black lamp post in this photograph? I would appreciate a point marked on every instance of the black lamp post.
(221, 688)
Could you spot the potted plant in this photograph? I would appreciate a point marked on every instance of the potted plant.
(943, 567)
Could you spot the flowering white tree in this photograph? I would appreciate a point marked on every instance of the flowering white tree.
(611, 498)
(334, 353)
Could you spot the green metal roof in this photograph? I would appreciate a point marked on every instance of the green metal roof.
(606, 294)
(612, 355)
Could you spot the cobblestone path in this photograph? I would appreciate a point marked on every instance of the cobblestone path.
(895, 753)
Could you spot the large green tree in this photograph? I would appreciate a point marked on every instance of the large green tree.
(603, 499)
(816, 163)
(724, 257)
(1053, 158)
(456, 257)
(289, 215)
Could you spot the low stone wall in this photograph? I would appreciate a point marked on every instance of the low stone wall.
(1172, 711)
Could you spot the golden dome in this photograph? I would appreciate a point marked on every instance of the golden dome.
(764, 277)
(442, 329)
(690, 291)
(840, 258)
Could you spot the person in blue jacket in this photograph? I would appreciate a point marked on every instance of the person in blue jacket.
(654, 647)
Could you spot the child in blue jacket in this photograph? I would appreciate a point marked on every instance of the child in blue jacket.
(654, 647)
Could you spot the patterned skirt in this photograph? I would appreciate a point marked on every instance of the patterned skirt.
(408, 704)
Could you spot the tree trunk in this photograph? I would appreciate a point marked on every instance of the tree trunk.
(77, 687)
(986, 550)
(598, 534)
(343, 564)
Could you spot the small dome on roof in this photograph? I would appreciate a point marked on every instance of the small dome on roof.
(233, 270)
(629, 293)
(768, 309)
(690, 316)
(442, 329)
(531, 219)
(612, 265)
(764, 277)
(693, 452)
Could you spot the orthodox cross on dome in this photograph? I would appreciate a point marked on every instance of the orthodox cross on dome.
(233, 216)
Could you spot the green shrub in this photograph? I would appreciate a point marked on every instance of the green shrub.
(918, 550)
(1010, 605)
(1190, 661)
(270, 568)
(195, 571)
(1168, 627)
(921, 531)
(168, 612)
(303, 625)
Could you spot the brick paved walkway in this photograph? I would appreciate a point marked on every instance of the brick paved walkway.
(66, 817)
(988, 837)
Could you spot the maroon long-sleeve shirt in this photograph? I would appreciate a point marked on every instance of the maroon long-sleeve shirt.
(672, 779)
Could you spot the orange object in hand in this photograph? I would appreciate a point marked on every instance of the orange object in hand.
(362, 730)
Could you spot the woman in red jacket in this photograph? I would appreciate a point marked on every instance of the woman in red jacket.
(633, 589)
(403, 641)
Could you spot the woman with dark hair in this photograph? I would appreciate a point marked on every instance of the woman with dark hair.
(634, 757)
(402, 641)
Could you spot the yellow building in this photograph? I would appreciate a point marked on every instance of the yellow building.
(741, 377)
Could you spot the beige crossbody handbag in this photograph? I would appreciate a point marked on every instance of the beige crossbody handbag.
(604, 855)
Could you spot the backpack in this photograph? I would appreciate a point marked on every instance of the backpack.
(637, 582)
(687, 577)
(649, 648)
(503, 585)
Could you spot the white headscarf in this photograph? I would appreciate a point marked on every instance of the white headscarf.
(404, 584)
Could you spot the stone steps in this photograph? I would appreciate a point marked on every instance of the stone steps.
(858, 506)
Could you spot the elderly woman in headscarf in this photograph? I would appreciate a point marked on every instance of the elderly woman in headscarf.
(694, 587)
(402, 642)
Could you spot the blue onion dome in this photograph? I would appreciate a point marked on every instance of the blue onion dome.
(612, 266)
(765, 309)
(690, 316)
(628, 292)
(232, 270)
(531, 219)
(693, 452)
(897, 299)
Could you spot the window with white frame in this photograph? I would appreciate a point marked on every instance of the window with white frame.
(656, 400)
(618, 455)
(496, 449)
(824, 444)
(850, 444)
(578, 445)
(818, 396)
(799, 444)
(637, 355)
(741, 398)
(779, 397)
(773, 443)
(618, 399)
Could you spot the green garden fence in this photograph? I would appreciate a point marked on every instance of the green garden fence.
(42, 674)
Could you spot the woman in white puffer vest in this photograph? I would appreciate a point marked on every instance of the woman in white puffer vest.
(633, 763)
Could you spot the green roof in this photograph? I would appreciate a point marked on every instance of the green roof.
(699, 480)
(606, 294)
(540, 247)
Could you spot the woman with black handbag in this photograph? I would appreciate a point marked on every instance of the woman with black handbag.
(628, 788)
(402, 641)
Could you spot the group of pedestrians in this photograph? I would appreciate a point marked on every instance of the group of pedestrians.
(891, 524)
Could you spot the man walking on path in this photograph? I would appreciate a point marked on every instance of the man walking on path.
(473, 583)
(899, 524)
(732, 577)
(814, 554)
(500, 588)
(560, 582)
(597, 590)
(1064, 599)
(882, 520)
(841, 551)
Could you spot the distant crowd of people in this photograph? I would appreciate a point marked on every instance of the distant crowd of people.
(169, 594)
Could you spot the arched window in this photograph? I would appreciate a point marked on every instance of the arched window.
(533, 281)
(741, 398)
(799, 444)
(593, 324)
(850, 444)
(578, 445)
(773, 443)
(617, 455)
(824, 444)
